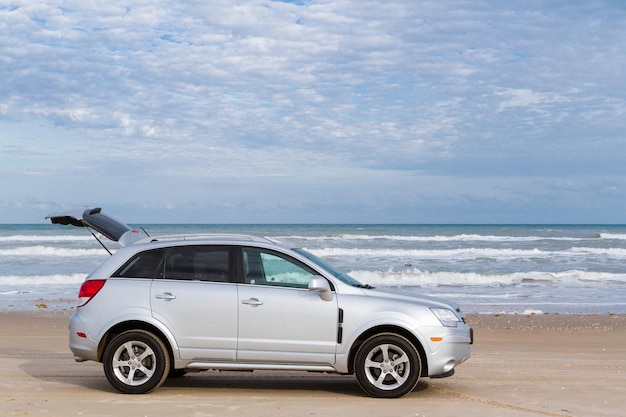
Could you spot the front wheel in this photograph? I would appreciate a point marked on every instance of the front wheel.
(136, 362)
(387, 366)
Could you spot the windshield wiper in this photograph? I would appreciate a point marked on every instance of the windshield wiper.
(366, 286)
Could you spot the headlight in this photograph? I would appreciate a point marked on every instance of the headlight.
(446, 317)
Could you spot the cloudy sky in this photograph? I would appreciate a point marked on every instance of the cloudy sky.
(329, 111)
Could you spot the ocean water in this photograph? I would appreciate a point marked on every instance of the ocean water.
(566, 269)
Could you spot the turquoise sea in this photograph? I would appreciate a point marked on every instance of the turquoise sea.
(577, 269)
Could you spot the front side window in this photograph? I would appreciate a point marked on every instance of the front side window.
(263, 267)
(203, 263)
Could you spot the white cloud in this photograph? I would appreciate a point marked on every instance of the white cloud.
(521, 98)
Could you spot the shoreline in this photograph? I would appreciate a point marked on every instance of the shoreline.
(559, 365)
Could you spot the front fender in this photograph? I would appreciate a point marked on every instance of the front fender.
(385, 321)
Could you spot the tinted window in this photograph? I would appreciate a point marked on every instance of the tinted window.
(204, 263)
(270, 268)
(142, 265)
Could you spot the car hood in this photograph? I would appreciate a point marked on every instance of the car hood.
(93, 218)
(413, 298)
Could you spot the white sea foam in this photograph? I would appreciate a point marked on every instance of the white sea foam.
(616, 236)
(464, 253)
(40, 250)
(614, 252)
(415, 277)
(45, 238)
(25, 281)
(530, 312)
(435, 238)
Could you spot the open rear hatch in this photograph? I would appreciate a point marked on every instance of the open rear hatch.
(93, 219)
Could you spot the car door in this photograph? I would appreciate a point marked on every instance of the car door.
(197, 301)
(280, 320)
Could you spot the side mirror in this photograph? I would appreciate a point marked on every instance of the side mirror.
(318, 283)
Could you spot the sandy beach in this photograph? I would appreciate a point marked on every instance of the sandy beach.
(537, 365)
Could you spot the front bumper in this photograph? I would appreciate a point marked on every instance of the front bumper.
(453, 348)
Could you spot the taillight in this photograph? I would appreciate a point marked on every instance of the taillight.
(88, 290)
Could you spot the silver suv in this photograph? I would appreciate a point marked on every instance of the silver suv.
(163, 306)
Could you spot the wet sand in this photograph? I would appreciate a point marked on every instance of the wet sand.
(538, 365)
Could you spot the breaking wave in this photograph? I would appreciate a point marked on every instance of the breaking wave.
(45, 238)
(465, 253)
(40, 250)
(416, 277)
(25, 281)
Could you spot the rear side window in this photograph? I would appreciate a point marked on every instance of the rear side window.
(203, 263)
(142, 265)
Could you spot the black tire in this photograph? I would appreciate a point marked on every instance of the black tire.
(136, 362)
(387, 366)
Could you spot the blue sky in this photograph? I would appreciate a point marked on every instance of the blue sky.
(339, 111)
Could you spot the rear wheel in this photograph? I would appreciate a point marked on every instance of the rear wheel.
(136, 362)
(387, 366)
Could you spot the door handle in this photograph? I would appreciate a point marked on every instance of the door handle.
(252, 302)
(166, 296)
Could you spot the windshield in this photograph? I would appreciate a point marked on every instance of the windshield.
(328, 267)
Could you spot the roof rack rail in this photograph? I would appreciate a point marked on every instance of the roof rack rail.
(210, 236)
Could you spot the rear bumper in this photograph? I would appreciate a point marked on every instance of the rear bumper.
(82, 345)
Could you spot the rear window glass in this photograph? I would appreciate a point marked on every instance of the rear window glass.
(142, 265)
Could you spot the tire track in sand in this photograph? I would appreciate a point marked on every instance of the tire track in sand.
(494, 403)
